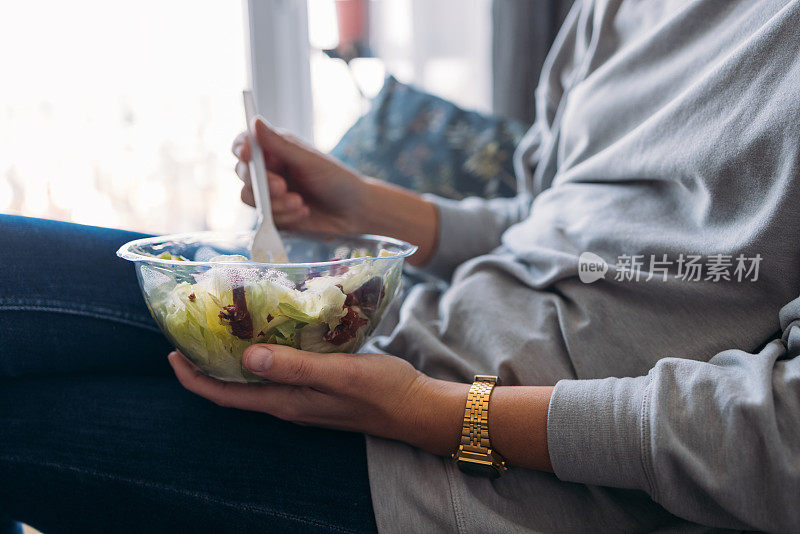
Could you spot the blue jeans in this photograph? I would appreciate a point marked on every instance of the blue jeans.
(97, 435)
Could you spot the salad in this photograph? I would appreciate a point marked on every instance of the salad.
(215, 315)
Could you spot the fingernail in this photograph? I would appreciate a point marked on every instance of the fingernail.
(259, 358)
(265, 122)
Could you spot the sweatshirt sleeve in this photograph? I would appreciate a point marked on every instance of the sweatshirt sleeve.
(714, 442)
(470, 228)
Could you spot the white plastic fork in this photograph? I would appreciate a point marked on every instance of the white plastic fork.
(266, 245)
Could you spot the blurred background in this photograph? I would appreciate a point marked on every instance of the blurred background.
(122, 114)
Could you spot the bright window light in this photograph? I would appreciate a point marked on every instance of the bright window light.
(122, 115)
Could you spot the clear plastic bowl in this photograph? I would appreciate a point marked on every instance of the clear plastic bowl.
(323, 301)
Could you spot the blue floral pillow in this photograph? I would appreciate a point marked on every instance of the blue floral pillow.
(425, 143)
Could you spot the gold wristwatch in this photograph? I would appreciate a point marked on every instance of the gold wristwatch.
(475, 455)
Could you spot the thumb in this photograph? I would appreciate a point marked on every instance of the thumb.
(287, 365)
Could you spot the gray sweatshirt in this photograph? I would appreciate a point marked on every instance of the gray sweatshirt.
(667, 145)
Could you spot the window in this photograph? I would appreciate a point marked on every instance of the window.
(122, 117)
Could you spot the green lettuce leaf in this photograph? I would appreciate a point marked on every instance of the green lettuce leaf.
(290, 310)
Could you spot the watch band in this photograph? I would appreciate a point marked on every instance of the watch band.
(475, 429)
(474, 454)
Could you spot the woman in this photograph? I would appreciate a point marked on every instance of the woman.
(666, 139)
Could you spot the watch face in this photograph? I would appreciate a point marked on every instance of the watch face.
(478, 469)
